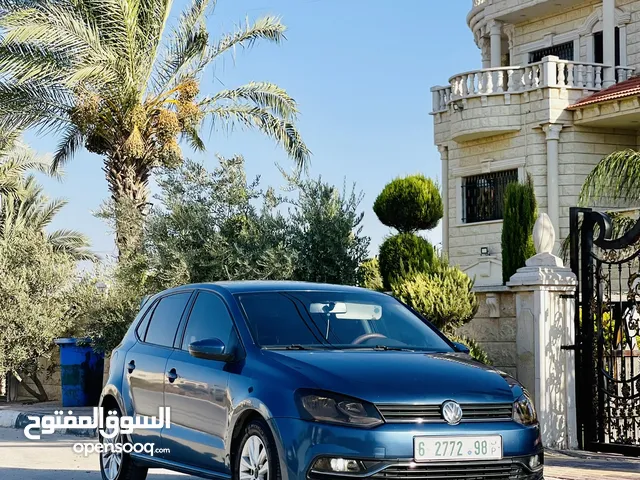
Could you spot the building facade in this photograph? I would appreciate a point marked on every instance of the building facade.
(556, 93)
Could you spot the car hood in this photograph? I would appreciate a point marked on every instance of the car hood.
(399, 377)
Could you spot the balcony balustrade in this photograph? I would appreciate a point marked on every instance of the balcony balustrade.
(550, 72)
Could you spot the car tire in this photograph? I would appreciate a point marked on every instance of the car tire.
(256, 450)
(119, 466)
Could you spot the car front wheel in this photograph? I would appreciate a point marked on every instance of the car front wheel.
(257, 458)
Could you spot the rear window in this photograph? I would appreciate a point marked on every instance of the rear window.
(141, 330)
(166, 318)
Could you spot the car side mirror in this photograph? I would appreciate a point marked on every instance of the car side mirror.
(210, 349)
(461, 347)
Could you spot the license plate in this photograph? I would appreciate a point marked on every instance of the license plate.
(433, 449)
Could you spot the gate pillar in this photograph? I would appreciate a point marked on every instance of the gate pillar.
(545, 323)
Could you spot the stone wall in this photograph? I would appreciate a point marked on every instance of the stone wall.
(633, 31)
(494, 327)
(566, 23)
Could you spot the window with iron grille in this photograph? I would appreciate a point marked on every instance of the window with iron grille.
(564, 51)
(483, 195)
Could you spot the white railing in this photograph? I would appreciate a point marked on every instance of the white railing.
(550, 72)
(477, 3)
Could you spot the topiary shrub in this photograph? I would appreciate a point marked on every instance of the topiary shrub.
(410, 204)
(475, 350)
(520, 213)
(369, 275)
(444, 296)
(402, 255)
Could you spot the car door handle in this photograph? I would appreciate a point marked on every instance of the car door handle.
(172, 375)
(131, 367)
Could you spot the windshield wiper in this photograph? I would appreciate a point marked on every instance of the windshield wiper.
(394, 349)
(382, 348)
(293, 346)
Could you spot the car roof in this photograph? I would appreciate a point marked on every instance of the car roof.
(253, 286)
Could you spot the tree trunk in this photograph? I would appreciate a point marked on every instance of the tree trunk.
(128, 179)
(40, 394)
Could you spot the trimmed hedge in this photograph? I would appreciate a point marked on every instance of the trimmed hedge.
(410, 204)
(444, 296)
(369, 275)
(404, 254)
(520, 213)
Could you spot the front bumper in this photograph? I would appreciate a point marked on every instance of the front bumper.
(388, 449)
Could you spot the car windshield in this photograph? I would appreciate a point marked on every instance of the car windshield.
(336, 319)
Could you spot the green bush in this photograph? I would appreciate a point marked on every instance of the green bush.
(36, 294)
(404, 254)
(445, 297)
(475, 350)
(410, 204)
(369, 275)
(520, 212)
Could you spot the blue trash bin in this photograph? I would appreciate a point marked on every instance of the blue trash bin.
(81, 372)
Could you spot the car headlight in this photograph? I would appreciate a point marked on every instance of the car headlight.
(524, 412)
(328, 407)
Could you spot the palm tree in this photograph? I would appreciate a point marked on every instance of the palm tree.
(32, 210)
(105, 73)
(15, 160)
(614, 182)
(23, 204)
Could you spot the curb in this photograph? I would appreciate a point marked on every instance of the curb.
(19, 420)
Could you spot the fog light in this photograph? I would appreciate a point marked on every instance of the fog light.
(339, 465)
(534, 462)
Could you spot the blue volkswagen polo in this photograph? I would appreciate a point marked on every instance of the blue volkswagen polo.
(293, 381)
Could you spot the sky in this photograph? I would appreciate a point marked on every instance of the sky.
(361, 72)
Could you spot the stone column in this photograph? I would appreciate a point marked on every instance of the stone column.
(552, 132)
(496, 44)
(485, 49)
(608, 42)
(444, 157)
(544, 319)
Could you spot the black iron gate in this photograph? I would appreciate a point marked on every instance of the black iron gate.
(607, 321)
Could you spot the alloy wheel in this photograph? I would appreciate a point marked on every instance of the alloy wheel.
(111, 460)
(254, 462)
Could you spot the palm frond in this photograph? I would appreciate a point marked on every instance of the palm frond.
(73, 243)
(152, 20)
(193, 138)
(267, 96)
(268, 28)
(614, 182)
(280, 130)
(71, 142)
(188, 41)
(32, 104)
(18, 158)
(56, 28)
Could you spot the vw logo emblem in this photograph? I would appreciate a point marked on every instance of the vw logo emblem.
(451, 412)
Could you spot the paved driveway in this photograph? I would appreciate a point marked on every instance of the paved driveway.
(52, 458)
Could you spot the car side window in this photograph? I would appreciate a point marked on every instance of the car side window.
(166, 318)
(141, 330)
(209, 318)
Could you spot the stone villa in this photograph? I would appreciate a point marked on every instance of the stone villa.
(556, 93)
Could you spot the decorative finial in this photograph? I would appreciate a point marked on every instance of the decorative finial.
(544, 236)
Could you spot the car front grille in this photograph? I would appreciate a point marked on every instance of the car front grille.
(488, 412)
(501, 470)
